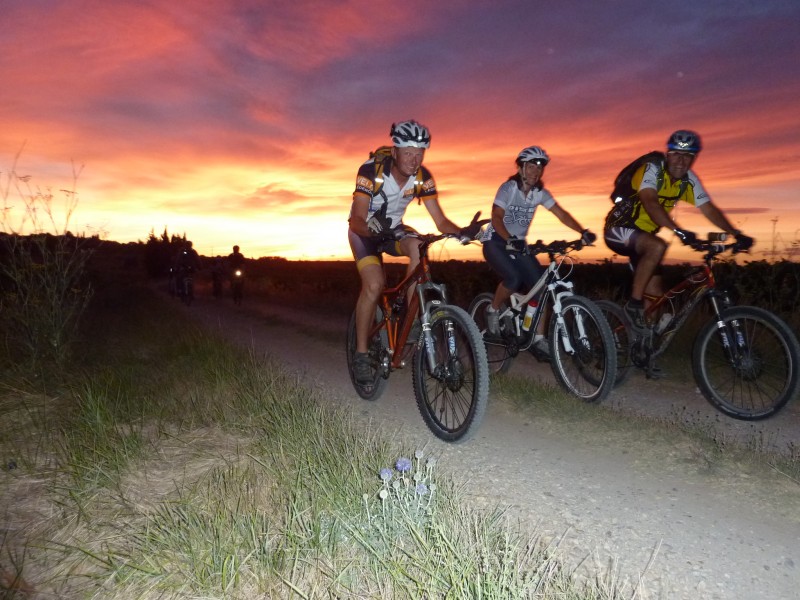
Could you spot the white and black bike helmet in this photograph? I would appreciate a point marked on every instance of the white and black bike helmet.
(535, 154)
(410, 134)
(684, 140)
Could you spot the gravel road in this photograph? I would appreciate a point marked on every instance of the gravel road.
(659, 511)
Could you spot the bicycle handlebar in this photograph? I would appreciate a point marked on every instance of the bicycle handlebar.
(430, 238)
(555, 247)
(712, 246)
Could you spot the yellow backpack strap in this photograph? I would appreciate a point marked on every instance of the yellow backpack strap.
(418, 183)
(378, 176)
(377, 189)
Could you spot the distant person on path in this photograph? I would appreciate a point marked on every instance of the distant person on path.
(187, 260)
(384, 189)
(631, 226)
(236, 260)
(217, 276)
(504, 240)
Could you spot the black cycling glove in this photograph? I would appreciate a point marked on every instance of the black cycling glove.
(588, 238)
(471, 231)
(743, 242)
(685, 236)
(514, 244)
(379, 224)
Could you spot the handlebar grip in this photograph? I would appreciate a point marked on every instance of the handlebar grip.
(717, 236)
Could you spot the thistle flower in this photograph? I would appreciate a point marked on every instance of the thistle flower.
(418, 454)
(403, 464)
(385, 474)
(421, 489)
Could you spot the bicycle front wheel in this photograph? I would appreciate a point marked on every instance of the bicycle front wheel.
(582, 351)
(496, 351)
(747, 366)
(374, 389)
(452, 397)
(622, 334)
(188, 292)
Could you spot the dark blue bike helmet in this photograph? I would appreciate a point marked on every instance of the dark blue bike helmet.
(684, 140)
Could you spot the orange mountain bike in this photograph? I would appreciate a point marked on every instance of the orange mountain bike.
(746, 361)
(449, 369)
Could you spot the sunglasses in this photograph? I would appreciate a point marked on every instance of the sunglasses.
(537, 161)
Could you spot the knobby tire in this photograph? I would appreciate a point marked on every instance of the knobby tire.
(453, 400)
(496, 351)
(589, 373)
(763, 376)
(623, 337)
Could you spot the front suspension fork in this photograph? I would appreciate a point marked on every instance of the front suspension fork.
(730, 333)
(426, 307)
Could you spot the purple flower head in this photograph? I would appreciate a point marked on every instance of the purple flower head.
(386, 474)
(421, 489)
(403, 464)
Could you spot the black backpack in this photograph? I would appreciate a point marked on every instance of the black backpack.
(622, 184)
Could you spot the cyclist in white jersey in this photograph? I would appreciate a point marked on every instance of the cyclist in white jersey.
(504, 240)
(376, 222)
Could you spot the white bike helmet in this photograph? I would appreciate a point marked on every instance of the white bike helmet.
(410, 134)
(684, 140)
(533, 153)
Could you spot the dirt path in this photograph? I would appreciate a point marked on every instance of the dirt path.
(714, 532)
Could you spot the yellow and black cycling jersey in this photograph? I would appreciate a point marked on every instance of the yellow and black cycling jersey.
(630, 213)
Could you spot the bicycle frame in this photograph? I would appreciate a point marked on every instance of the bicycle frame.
(699, 284)
(550, 288)
(394, 298)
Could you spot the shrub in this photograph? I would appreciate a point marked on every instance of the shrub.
(43, 289)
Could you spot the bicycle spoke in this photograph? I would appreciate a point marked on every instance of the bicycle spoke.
(496, 351)
(751, 380)
(452, 395)
(583, 354)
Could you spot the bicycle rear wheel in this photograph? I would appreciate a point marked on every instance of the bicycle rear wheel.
(496, 351)
(377, 345)
(237, 291)
(589, 368)
(760, 376)
(623, 336)
(188, 292)
(452, 398)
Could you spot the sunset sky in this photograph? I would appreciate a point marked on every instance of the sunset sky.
(244, 121)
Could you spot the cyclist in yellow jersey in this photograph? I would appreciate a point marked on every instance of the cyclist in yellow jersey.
(631, 226)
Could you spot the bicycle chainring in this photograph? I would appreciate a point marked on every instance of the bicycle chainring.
(641, 352)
